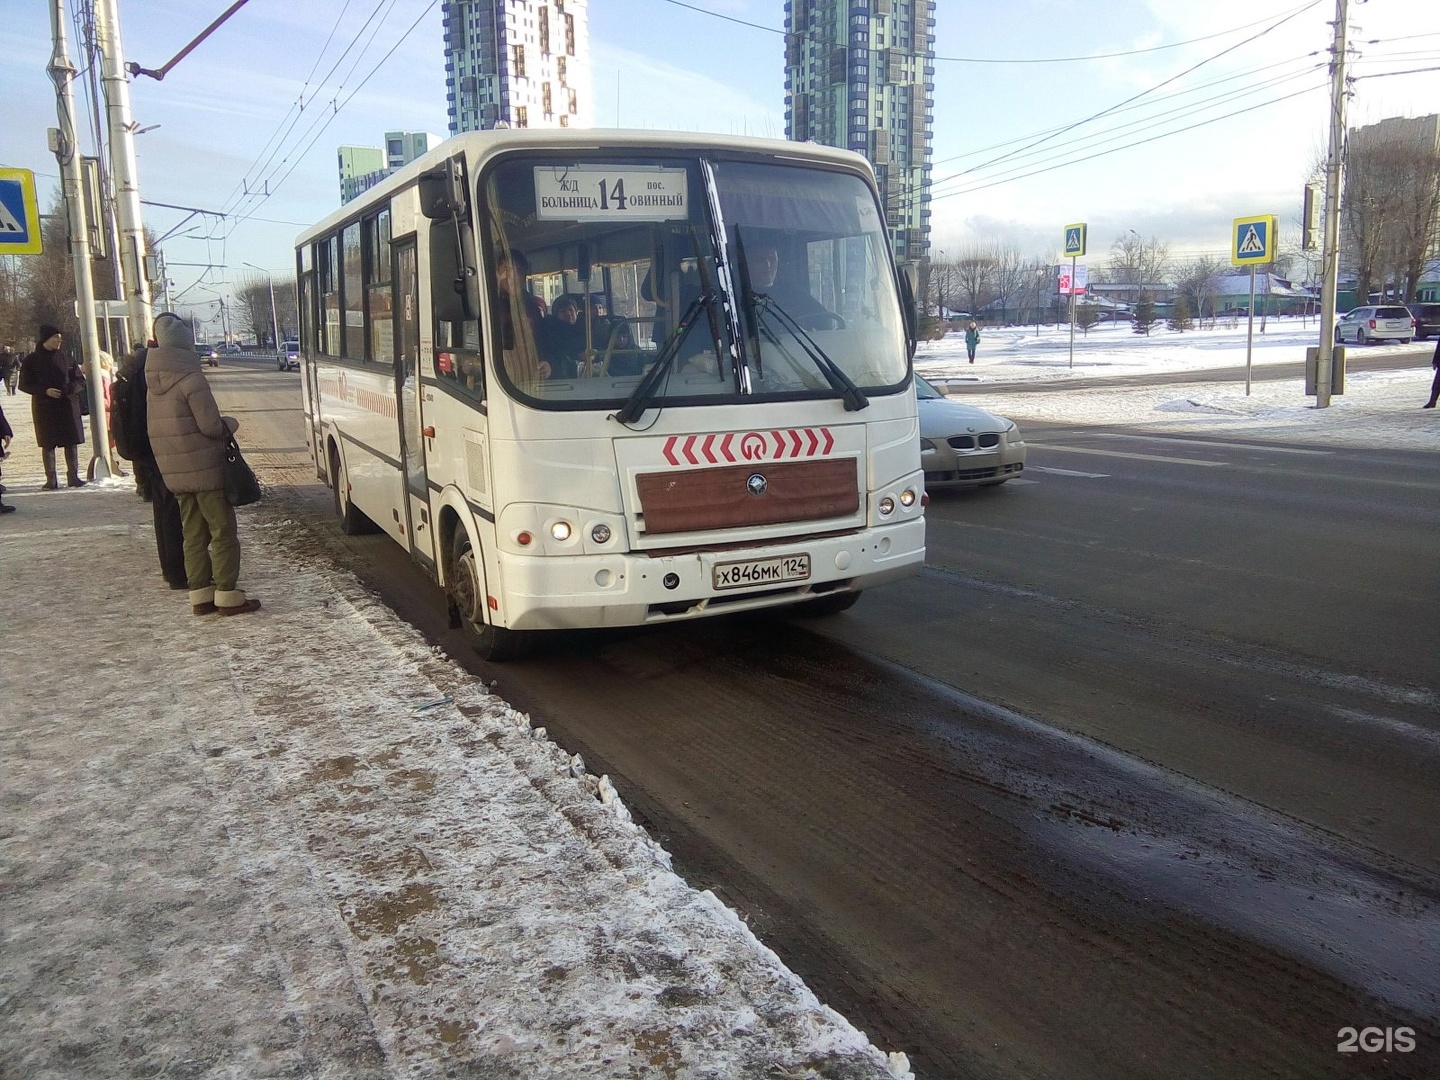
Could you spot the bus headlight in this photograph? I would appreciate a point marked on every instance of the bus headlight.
(560, 530)
(887, 506)
(600, 533)
(907, 497)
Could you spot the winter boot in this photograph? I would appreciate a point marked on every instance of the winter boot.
(202, 601)
(235, 602)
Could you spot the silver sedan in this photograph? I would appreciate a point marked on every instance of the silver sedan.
(962, 446)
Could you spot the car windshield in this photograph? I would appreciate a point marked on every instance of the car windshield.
(1392, 313)
(604, 271)
(924, 390)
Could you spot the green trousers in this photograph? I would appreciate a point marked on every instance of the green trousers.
(212, 544)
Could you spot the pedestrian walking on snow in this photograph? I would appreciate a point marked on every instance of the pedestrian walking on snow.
(187, 437)
(1434, 386)
(55, 383)
(9, 367)
(972, 340)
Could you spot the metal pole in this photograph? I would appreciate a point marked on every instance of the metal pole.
(62, 73)
(123, 168)
(1330, 247)
(1073, 260)
(274, 320)
(1250, 330)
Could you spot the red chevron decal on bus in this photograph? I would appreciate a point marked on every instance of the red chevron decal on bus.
(735, 446)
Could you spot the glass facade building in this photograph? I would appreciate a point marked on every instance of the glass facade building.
(523, 63)
(861, 74)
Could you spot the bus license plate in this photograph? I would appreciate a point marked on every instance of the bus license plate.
(753, 572)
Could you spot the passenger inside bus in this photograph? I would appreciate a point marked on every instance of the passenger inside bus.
(560, 337)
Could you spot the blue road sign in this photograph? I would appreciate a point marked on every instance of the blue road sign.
(19, 213)
(1075, 240)
(1252, 240)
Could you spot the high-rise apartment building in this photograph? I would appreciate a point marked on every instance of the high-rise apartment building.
(524, 63)
(362, 167)
(861, 74)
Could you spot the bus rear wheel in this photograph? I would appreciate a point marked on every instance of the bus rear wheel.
(467, 590)
(352, 521)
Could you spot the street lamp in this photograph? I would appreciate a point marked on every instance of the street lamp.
(274, 321)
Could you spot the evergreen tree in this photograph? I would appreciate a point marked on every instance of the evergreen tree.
(1180, 320)
(1085, 317)
(1144, 314)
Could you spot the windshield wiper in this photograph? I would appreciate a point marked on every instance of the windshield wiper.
(644, 393)
(763, 304)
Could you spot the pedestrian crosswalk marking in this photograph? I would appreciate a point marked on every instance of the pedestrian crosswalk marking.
(8, 222)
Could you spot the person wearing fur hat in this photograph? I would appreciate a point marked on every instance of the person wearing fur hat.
(54, 383)
(187, 437)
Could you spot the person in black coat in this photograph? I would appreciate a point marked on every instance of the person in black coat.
(130, 428)
(1434, 386)
(55, 383)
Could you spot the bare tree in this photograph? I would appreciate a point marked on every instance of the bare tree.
(1198, 282)
(1138, 262)
(1391, 204)
(252, 306)
(1010, 270)
(975, 277)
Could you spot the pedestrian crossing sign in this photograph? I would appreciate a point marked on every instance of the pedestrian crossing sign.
(1253, 241)
(1075, 240)
(19, 213)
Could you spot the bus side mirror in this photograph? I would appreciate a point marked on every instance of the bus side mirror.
(454, 284)
(442, 191)
(907, 307)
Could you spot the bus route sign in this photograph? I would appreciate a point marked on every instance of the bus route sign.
(19, 214)
(609, 192)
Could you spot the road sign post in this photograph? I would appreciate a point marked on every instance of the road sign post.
(1253, 242)
(1075, 236)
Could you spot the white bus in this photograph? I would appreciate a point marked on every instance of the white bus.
(608, 378)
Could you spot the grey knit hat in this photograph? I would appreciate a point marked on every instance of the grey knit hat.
(173, 331)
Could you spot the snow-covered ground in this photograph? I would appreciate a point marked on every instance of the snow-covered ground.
(1378, 410)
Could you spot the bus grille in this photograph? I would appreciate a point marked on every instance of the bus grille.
(769, 493)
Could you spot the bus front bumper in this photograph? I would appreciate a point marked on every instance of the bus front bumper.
(629, 589)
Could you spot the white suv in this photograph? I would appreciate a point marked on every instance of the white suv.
(288, 358)
(1366, 324)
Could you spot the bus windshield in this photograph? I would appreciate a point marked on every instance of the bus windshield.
(601, 267)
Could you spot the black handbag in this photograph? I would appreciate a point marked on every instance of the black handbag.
(241, 487)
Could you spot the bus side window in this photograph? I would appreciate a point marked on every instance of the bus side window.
(458, 359)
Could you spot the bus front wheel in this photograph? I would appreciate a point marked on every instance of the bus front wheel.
(467, 590)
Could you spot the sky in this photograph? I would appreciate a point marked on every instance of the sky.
(1222, 117)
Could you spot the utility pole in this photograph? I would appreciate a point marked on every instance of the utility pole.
(63, 142)
(1334, 173)
(123, 169)
(274, 319)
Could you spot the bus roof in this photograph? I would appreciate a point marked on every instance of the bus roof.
(481, 145)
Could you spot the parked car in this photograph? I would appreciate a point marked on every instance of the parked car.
(231, 347)
(1363, 325)
(962, 446)
(208, 354)
(288, 358)
(1427, 319)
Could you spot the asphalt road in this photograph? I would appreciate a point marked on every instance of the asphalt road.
(1137, 779)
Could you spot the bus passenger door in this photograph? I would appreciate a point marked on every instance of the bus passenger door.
(418, 526)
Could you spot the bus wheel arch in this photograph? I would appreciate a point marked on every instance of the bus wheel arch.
(467, 592)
